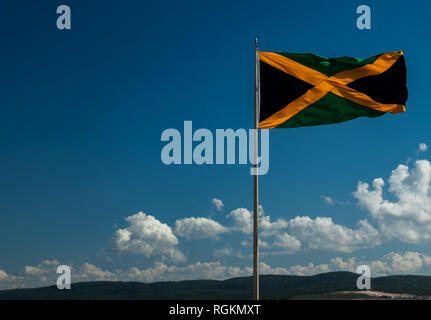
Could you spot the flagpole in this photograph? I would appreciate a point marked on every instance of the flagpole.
(256, 190)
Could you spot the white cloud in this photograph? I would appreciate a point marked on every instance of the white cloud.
(350, 264)
(263, 244)
(268, 228)
(218, 204)
(243, 221)
(422, 147)
(287, 242)
(307, 233)
(148, 236)
(331, 201)
(328, 200)
(324, 234)
(217, 271)
(227, 252)
(199, 228)
(3, 275)
(223, 252)
(404, 263)
(33, 271)
(90, 272)
(245, 243)
(408, 218)
(308, 269)
(45, 274)
(297, 270)
(197, 270)
(391, 263)
(158, 272)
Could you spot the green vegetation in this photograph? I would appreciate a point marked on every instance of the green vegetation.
(322, 286)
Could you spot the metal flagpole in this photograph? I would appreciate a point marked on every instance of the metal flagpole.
(256, 193)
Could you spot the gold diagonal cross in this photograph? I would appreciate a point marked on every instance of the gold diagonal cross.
(323, 84)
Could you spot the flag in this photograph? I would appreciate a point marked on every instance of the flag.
(299, 90)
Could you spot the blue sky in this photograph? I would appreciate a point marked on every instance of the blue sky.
(82, 112)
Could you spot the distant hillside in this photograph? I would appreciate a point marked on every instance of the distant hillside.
(326, 286)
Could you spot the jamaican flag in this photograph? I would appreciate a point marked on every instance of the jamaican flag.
(299, 90)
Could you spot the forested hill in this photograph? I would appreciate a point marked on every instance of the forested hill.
(327, 285)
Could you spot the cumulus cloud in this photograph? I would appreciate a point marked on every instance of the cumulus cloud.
(391, 263)
(287, 242)
(197, 270)
(42, 272)
(269, 228)
(403, 263)
(148, 236)
(306, 270)
(42, 268)
(90, 272)
(344, 265)
(295, 270)
(306, 233)
(45, 274)
(158, 272)
(408, 217)
(324, 234)
(422, 147)
(199, 228)
(3, 274)
(218, 204)
(243, 221)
